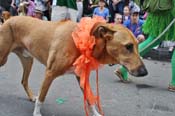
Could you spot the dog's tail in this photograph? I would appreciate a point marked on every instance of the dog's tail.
(6, 41)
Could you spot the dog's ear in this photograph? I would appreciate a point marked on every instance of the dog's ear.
(103, 31)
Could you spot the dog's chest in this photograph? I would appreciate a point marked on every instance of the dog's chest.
(70, 70)
(26, 54)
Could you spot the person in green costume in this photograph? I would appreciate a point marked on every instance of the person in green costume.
(154, 25)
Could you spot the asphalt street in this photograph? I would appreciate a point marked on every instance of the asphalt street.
(146, 96)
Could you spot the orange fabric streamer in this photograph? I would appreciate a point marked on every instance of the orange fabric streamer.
(85, 63)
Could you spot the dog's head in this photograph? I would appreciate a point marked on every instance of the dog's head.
(5, 15)
(117, 45)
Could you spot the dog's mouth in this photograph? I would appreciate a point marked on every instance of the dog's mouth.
(138, 72)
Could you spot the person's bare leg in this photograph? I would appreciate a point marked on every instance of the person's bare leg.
(172, 83)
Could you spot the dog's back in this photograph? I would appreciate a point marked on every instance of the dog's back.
(39, 37)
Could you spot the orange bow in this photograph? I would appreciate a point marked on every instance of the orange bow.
(85, 63)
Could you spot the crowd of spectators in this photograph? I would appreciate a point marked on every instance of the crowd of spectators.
(124, 12)
(35, 8)
(120, 12)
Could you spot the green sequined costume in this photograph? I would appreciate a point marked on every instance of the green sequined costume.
(155, 25)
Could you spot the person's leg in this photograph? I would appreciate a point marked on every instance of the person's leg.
(144, 44)
(172, 83)
(13, 11)
(141, 38)
(122, 72)
(47, 14)
(58, 13)
(73, 14)
(80, 10)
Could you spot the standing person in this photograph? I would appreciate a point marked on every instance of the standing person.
(39, 14)
(118, 19)
(126, 13)
(22, 8)
(8, 5)
(89, 6)
(116, 6)
(87, 10)
(5, 5)
(17, 2)
(30, 8)
(63, 10)
(80, 9)
(102, 10)
(43, 5)
(154, 25)
(13, 8)
(135, 25)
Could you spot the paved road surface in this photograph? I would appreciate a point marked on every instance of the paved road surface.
(146, 96)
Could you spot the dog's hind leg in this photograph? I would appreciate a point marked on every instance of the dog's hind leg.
(27, 62)
(93, 109)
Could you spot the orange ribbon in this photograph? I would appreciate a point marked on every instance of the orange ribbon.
(85, 63)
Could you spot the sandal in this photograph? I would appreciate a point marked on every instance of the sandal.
(111, 64)
(120, 76)
(171, 88)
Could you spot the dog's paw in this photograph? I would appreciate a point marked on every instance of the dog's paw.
(35, 114)
(33, 99)
(97, 115)
(94, 111)
(111, 64)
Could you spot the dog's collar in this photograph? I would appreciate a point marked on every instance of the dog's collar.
(85, 63)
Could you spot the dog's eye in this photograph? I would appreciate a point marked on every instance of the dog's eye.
(129, 47)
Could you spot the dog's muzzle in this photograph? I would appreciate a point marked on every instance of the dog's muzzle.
(140, 72)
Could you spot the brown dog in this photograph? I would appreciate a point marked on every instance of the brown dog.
(51, 43)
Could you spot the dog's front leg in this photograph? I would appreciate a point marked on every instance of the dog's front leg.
(43, 92)
(94, 111)
(92, 107)
(37, 109)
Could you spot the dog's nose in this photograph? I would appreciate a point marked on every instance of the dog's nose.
(140, 72)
